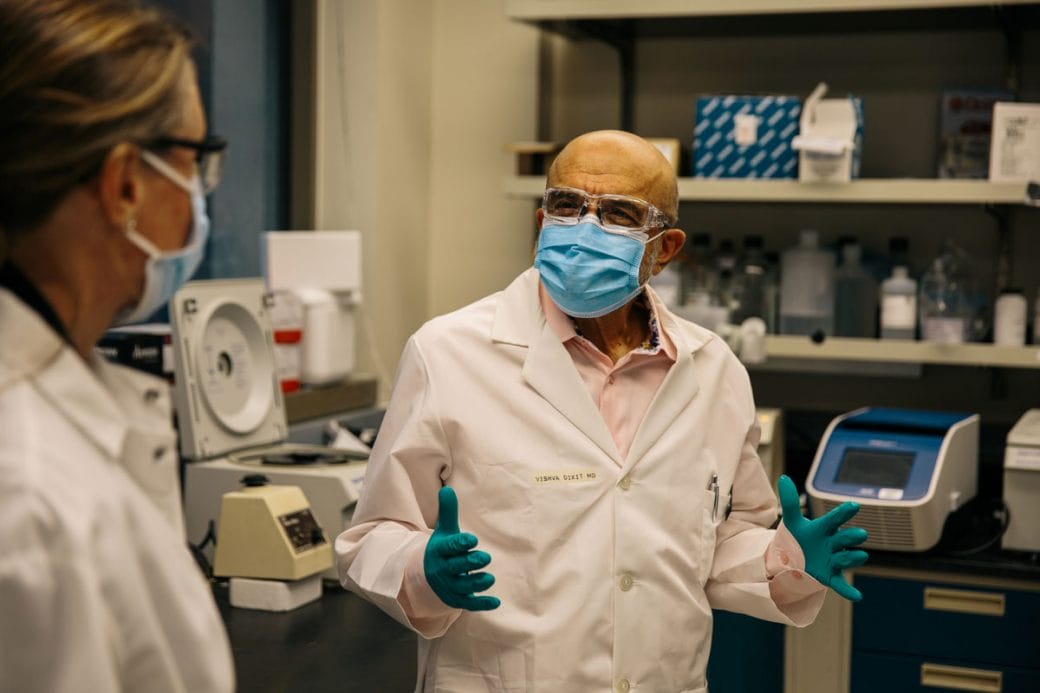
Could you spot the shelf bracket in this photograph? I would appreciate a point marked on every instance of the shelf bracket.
(619, 35)
(1011, 26)
(1005, 244)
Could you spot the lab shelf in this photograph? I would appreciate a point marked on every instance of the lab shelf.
(547, 10)
(900, 351)
(865, 191)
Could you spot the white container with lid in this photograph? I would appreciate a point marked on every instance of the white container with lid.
(1009, 318)
(898, 305)
(807, 287)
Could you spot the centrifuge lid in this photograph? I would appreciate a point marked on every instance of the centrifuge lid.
(226, 388)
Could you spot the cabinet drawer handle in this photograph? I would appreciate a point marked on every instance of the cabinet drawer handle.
(964, 601)
(960, 678)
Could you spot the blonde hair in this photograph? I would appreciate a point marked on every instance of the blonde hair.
(77, 77)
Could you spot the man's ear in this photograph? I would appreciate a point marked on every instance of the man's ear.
(538, 217)
(672, 243)
(119, 184)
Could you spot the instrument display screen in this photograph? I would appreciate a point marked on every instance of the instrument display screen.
(875, 469)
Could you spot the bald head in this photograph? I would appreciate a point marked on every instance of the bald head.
(612, 161)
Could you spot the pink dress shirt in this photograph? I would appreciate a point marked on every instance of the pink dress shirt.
(622, 391)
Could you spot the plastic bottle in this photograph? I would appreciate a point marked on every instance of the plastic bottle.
(807, 288)
(898, 305)
(1009, 318)
(839, 248)
(1036, 318)
(855, 296)
(773, 290)
(750, 293)
(287, 316)
(699, 276)
(725, 267)
(946, 299)
(899, 252)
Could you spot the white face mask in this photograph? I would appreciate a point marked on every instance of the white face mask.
(165, 272)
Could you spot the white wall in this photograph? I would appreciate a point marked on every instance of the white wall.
(485, 71)
(414, 103)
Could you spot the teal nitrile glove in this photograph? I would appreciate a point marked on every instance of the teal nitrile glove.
(822, 542)
(449, 558)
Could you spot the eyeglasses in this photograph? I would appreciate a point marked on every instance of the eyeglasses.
(209, 157)
(616, 213)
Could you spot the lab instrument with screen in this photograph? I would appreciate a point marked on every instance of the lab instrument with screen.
(881, 469)
(908, 469)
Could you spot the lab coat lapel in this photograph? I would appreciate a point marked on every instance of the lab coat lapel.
(548, 368)
(551, 372)
(30, 348)
(678, 388)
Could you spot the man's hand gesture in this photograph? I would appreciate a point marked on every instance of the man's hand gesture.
(450, 557)
(824, 544)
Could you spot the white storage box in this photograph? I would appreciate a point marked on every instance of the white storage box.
(1015, 151)
(322, 269)
(830, 144)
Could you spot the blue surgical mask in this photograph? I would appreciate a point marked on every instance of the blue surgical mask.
(587, 270)
(165, 272)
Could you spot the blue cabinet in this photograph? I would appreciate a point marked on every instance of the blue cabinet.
(914, 635)
(747, 655)
(888, 673)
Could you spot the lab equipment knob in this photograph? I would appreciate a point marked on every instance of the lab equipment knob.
(251, 480)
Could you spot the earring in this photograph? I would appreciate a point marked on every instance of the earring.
(131, 225)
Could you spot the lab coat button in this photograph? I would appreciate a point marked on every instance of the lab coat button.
(625, 483)
(159, 452)
(622, 686)
(610, 380)
(625, 583)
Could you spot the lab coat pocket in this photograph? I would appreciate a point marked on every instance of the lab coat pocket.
(706, 550)
(506, 500)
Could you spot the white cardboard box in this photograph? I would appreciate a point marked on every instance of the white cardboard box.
(831, 139)
(329, 260)
(1015, 149)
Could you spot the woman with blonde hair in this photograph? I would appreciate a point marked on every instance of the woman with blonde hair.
(104, 164)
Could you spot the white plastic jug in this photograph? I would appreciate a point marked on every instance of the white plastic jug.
(807, 288)
(327, 352)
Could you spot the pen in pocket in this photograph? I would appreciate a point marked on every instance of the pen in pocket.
(713, 486)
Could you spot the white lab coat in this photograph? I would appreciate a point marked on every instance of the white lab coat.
(98, 591)
(607, 568)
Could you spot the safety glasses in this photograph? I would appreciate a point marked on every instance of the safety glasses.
(209, 157)
(616, 213)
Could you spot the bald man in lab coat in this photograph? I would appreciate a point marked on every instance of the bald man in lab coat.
(597, 453)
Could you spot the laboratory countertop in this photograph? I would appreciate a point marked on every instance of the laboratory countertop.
(343, 643)
(339, 643)
(992, 563)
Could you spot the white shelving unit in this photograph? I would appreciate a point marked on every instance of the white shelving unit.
(900, 351)
(800, 352)
(545, 10)
(873, 191)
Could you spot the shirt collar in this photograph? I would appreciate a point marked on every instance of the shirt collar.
(17, 283)
(564, 327)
